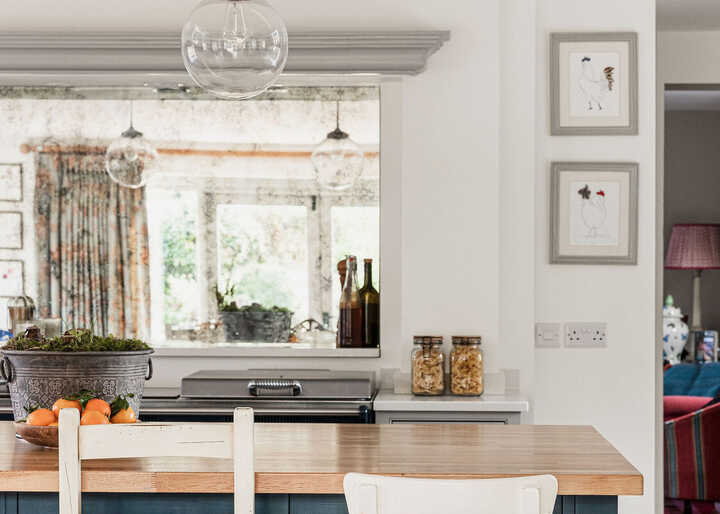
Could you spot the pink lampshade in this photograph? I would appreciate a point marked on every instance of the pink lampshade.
(694, 246)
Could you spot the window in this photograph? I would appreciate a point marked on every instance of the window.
(263, 256)
(173, 237)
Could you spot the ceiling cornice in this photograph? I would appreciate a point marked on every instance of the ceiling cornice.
(130, 56)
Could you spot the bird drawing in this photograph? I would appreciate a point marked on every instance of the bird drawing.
(596, 86)
(593, 211)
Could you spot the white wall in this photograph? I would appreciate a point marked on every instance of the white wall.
(613, 388)
(466, 149)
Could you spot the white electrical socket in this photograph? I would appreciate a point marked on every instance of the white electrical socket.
(547, 335)
(585, 335)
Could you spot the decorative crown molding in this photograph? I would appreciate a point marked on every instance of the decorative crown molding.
(65, 59)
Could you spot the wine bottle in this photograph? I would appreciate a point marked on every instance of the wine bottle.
(370, 303)
(350, 330)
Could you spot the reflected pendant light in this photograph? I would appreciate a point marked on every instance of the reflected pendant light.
(338, 160)
(234, 49)
(130, 159)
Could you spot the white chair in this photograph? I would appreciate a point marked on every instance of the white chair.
(375, 494)
(215, 440)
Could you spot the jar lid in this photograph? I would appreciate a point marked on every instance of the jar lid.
(427, 340)
(466, 340)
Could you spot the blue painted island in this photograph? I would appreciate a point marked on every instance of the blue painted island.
(300, 468)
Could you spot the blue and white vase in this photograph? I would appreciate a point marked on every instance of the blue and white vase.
(675, 332)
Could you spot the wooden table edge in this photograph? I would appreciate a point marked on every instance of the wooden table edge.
(96, 481)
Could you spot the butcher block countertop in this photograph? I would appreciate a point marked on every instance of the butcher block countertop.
(313, 458)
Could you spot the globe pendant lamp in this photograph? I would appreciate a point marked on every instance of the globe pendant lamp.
(130, 159)
(338, 160)
(234, 49)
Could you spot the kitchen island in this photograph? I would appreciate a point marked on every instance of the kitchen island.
(299, 468)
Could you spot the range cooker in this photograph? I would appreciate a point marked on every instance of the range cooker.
(277, 396)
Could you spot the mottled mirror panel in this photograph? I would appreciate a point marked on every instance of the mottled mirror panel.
(232, 241)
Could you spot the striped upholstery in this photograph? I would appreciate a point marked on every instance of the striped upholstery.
(692, 455)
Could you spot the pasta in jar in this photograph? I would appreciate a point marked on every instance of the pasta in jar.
(466, 366)
(428, 366)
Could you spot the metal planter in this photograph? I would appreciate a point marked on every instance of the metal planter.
(40, 378)
(256, 326)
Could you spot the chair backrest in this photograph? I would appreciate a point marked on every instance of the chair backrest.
(374, 494)
(215, 440)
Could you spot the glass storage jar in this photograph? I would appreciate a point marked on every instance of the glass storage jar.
(428, 366)
(466, 366)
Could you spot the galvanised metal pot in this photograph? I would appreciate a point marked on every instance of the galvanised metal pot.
(40, 378)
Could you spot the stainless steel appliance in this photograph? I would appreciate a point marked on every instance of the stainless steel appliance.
(280, 396)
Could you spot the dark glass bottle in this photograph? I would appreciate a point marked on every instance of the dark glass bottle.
(350, 329)
(370, 302)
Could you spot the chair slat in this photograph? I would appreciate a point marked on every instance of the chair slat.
(157, 440)
(374, 494)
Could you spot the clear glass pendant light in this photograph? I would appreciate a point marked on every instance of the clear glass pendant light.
(130, 159)
(338, 160)
(234, 49)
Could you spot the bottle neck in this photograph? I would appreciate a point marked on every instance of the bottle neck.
(351, 278)
(368, 275)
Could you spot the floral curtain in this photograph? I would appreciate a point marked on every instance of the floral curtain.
(92, 245)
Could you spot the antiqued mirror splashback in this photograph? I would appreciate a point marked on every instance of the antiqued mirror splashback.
(232, 229)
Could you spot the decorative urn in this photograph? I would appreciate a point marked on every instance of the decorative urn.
(675, 332)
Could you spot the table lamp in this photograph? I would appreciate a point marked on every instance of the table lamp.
(694, 246)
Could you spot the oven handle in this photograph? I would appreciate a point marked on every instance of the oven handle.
(274, 384)
(299, 412)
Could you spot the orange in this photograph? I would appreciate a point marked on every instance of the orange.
(124, 416)
(41, 418)
(93, 417)
(53, 424)
(98, 405)
(62, 403)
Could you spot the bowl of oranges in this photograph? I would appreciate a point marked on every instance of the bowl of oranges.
(40, 427)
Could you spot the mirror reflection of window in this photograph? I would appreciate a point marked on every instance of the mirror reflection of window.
(232, 219)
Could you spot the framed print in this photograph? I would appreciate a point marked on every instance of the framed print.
(593, 213)
(593, 84)
(11, 230)
(12, 281)
(11, 189)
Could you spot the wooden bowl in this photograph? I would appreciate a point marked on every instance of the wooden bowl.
(41, 436)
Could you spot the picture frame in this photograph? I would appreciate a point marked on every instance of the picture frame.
(11, 230)
(594, 213)
(12, 278)
(593, 83)
(11, 182)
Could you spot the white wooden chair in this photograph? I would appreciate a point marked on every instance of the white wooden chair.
(375, 494)
(215, 440)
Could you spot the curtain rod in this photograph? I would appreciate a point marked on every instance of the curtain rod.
(26, 148)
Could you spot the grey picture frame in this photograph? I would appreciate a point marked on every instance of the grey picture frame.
(22, 276)
(556, 129)
(20, 196)
(630, 168)
(19, 214)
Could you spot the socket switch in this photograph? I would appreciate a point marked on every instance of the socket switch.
(547, 335)
(586, 335)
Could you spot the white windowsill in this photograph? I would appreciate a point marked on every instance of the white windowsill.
(204, 349)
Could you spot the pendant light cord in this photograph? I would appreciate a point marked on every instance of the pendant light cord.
(337, 115)
(131, 114)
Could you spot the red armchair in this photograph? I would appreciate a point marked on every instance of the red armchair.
(692, 458)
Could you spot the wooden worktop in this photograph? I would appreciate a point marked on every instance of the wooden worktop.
(305, 458)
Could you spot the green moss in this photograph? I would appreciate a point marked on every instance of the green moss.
(79, 340)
